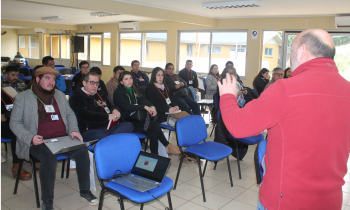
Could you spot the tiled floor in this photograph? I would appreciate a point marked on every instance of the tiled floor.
(243, 195)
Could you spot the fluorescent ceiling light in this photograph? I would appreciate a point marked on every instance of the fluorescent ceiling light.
(102, 14)
(231, 4)
(54, 18)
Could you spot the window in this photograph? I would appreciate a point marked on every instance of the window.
(32, 49)
(222, 46)
(148, 48)
(107, 48)
(22, 42)
(268, 51)
(190, 49)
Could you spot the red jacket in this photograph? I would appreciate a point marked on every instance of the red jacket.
(308, 122)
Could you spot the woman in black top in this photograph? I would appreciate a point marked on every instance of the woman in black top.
(261, 80)
(128, 99)
(158, 94)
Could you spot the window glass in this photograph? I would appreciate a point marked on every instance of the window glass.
(342, 54)
(107, 48)
(271, 56)
(95, 47)
(46, 44)
(29, 46)
(130, 48)
(55, 46)
(154, 50)
(65, 47)
(22, 42)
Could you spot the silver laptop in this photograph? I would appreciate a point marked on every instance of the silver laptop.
(65, 144)
(147, 173)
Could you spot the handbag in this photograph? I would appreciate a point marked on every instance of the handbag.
(139, 115)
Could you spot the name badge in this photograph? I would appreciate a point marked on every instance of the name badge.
(168, 101)
(49, 109)
(107, 110)
(9, 107)
(54, 117)
(190, 82)
(177, 82)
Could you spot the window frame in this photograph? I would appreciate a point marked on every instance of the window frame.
(187, 49)
(268, 55)
(24, 42)
(29, 45)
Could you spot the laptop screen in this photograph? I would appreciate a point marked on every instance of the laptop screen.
(151, 166)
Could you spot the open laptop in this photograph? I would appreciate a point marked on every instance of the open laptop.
(65, 144)
(148, 172)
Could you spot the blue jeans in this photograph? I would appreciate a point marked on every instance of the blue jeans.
(93, 134)
(260, 207)
(187, 104)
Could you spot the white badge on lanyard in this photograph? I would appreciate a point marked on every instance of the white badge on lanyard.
(49, 108)
(168, 101)
(9, 107)
(54, 117)
(177, 82)
(190, 82)
(107, 110)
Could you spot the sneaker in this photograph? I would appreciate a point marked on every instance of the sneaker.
(72, 165)
(90, 198)
(47, 205)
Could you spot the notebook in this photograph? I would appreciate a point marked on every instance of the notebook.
(148, 172)
(65, 144)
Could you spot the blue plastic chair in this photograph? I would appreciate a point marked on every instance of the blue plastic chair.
(190, 132)
(169, 128)
(216, 101)
(142, 136)
(192, 92)
(3, 76)
(119, 152)
(5, 141)
(21, 76)
(74, 69)
(259, 160)
(205, 84)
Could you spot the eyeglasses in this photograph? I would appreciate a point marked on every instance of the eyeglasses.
(94, 83)
(280, 75)
(232, 73)
(83, 67)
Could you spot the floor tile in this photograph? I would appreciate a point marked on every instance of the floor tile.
(213, 201)
(249, 197)
(246, 182)
(346, 187)
(226, 190)
(218, 174)
(175, 201)
(191, 206)
(3, 207)
(7, 192)
(207, 181)
(22, 202)
(71, 202)
(113, 203)
(236, 205)
(186, 191)
(184, 175)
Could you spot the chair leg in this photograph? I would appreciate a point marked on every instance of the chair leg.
(146, 144)
(178, 171)
(238, 164)
(121, 202)
(18, 176)
(205, 167)
(229, 170)
(169, 134)
(62, 171)
(35, 184)
(5, 147)
(212, 130)
(169, 200)
(101, 199)
(201, 178)
(216, 162)
(141, 208)
(68, 166)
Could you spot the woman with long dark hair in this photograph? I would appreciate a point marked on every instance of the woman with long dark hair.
(261, 80)
(287, 73)
(212, 81)
(129, 100)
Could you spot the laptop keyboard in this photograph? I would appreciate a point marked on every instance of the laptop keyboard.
(141, 182)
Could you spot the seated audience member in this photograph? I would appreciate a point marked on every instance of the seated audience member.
(261, 80)
(287, 73)
(230, 63)
(49, 61)
(158, 94)
(139, 77)
(189, 75)
(19, 55)
(112, 84)
(129, 100)
(9, 89)
(94, 111)
(212, 81)
(277, 73)
(102, 86)
(78, 78)
(54, 118)
(179, 92)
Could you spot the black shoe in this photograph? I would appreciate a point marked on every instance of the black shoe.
(90, 198)
(47, 205)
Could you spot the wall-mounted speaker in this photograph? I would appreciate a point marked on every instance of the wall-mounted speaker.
(78, 44)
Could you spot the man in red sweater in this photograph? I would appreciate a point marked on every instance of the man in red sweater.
(308, 122)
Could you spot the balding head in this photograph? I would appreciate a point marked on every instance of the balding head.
(310, 44)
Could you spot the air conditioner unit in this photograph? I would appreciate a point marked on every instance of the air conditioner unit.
(129, 26)
(342, 22)
(40, 30)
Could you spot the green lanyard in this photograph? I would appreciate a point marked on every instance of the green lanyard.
(134, 96)
(31, 88)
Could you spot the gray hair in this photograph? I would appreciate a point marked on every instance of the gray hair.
(87, 76)
(316, 46)
(276, 69)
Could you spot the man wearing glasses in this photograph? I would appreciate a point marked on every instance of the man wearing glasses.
(277, 73)
(84, 69)
(94, 112)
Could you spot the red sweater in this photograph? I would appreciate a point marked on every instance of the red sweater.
(308, 122)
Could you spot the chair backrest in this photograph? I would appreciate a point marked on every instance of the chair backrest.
(192, 92)
(116, 152)
(74, 69)
(20, 76)
(190, 130)
(27, 62)
(259, 160)
(24, 71)
(205, 84)
(255, 90)
(59, 66)
(66, 71)
(216, 100)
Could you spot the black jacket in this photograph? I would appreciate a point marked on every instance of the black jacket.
(260, 84)
(88, 112)
(77, 81)
(170, 82)
(156, 98)
(127, 103)
(192, 75)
